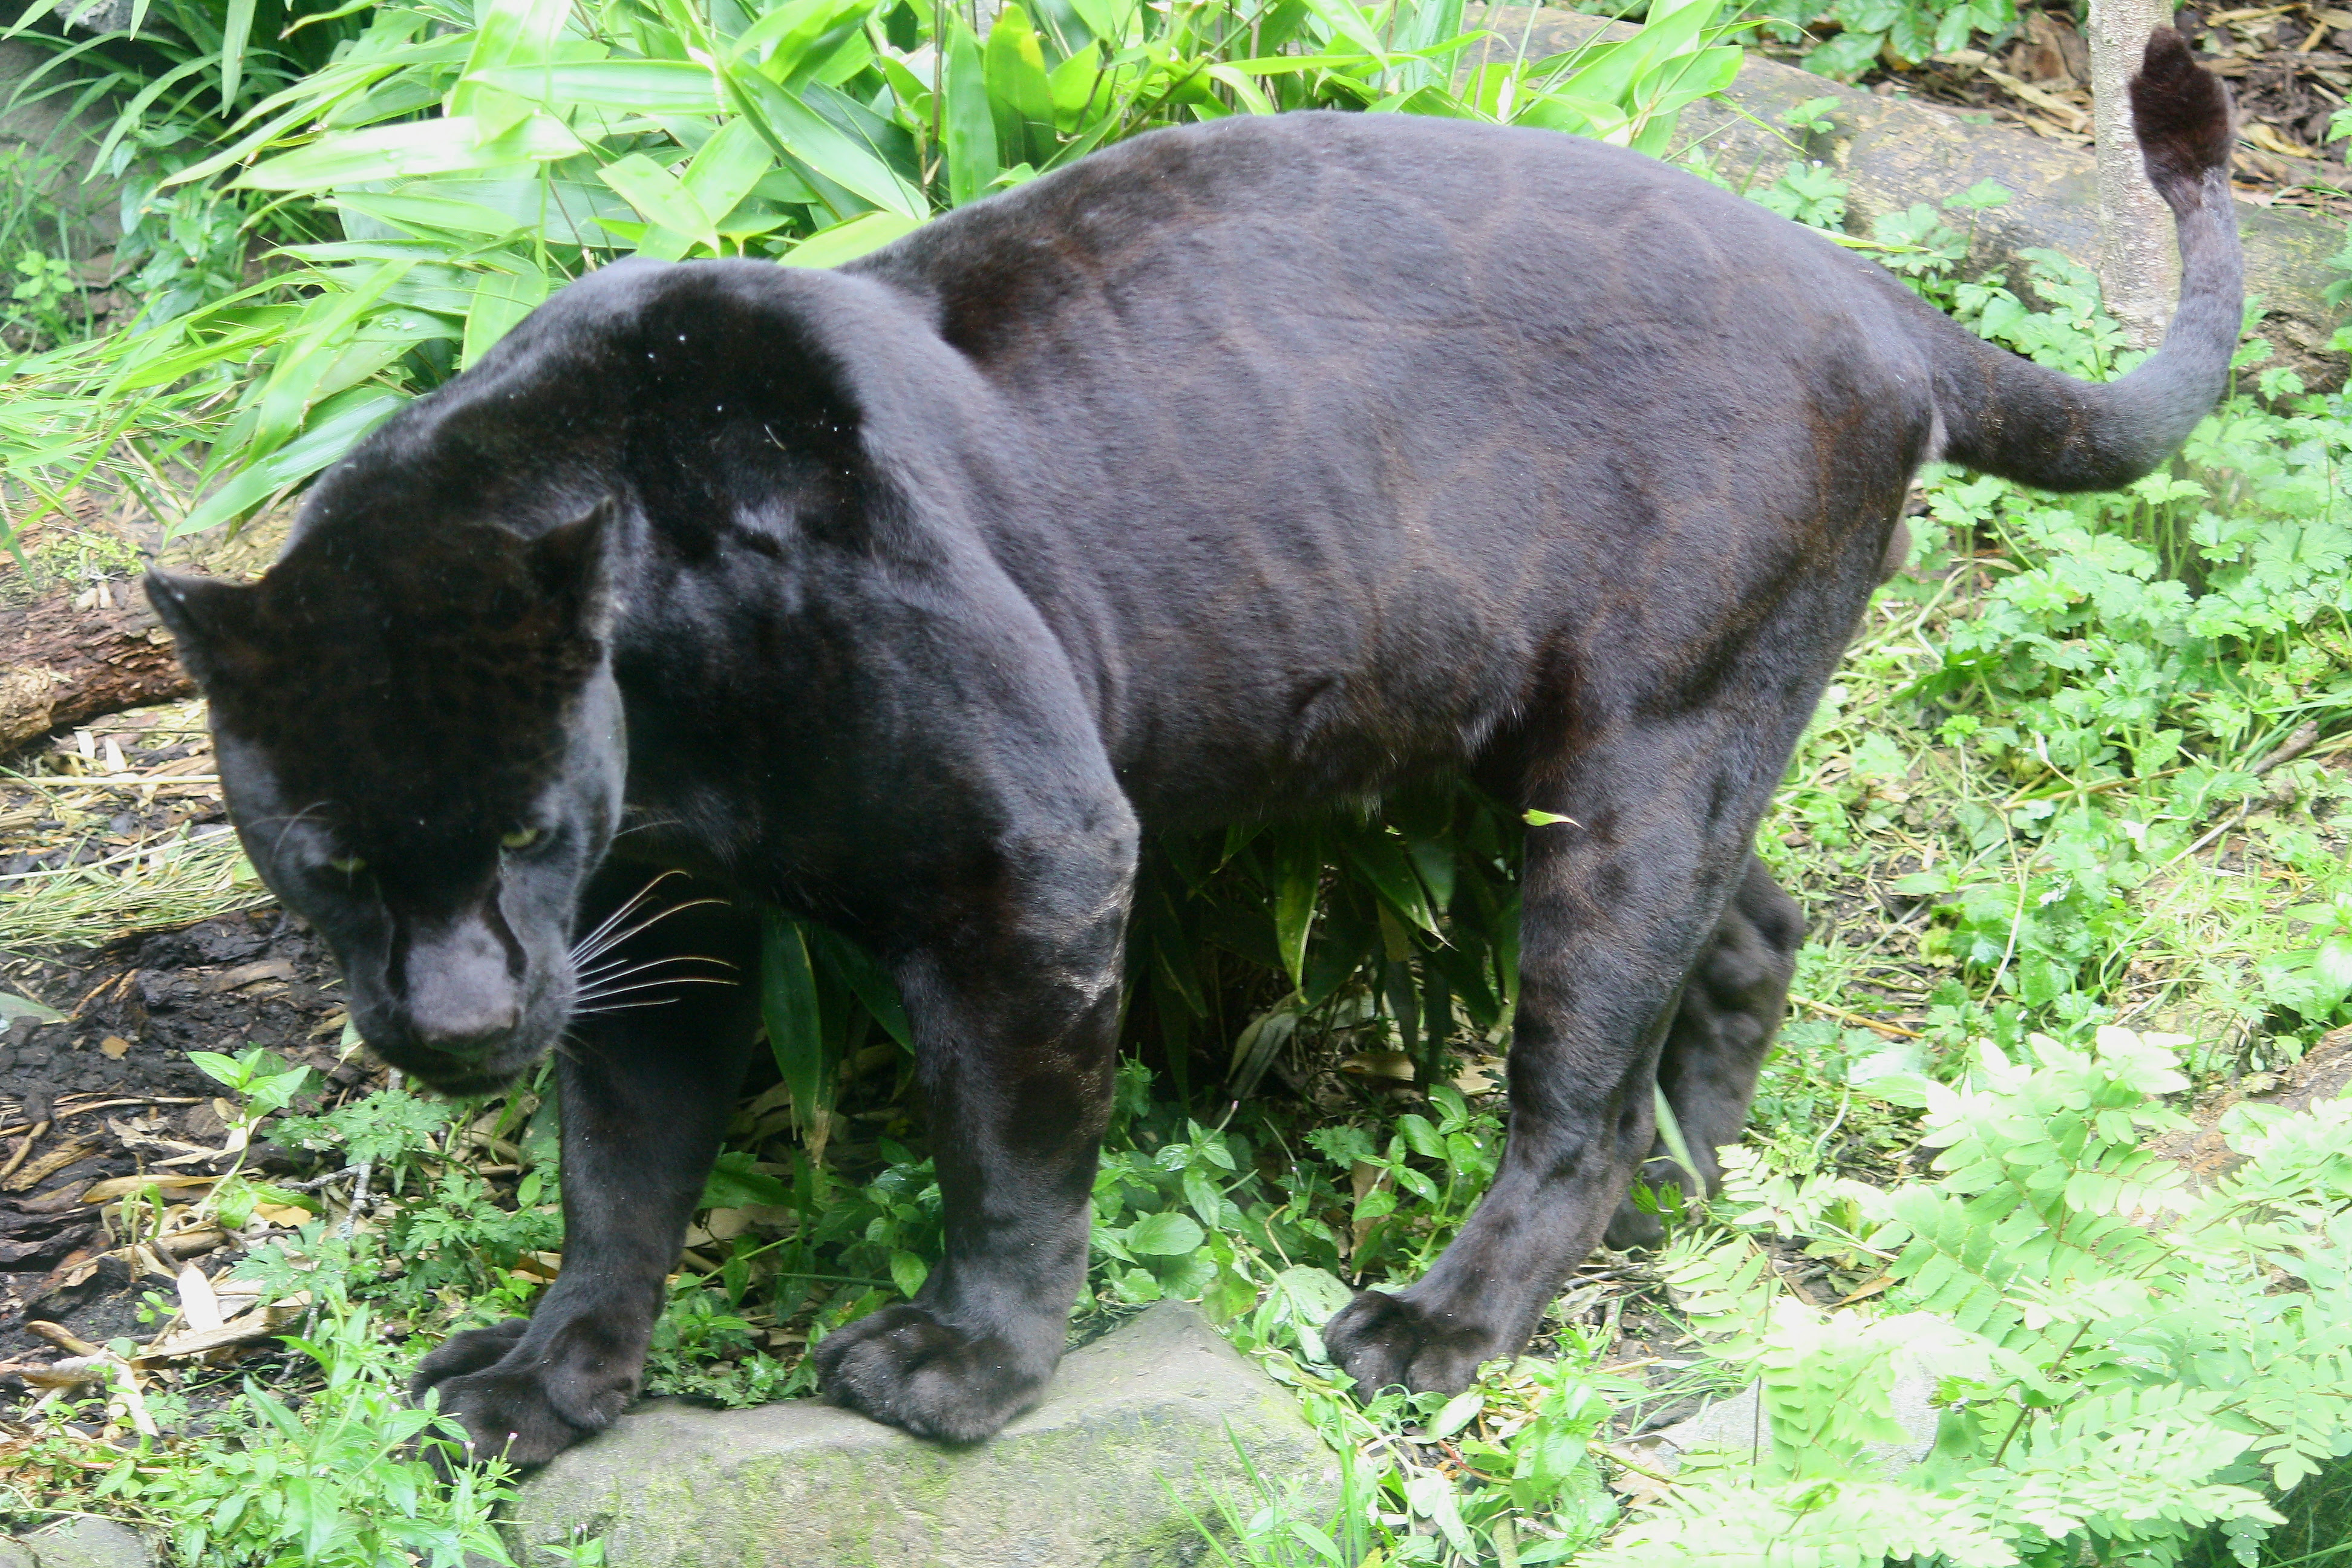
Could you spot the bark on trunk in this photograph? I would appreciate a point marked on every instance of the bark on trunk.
(62, 665)
(2139, 269)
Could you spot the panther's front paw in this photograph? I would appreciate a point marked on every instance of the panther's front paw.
(524, 1407)
(904, 1367)
(1382, 1340)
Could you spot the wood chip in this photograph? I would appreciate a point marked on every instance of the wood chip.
(255, 1325)
(65, 1339)
(118, 1186)
(48, 1166)
(198, 1305)
(32, 1136)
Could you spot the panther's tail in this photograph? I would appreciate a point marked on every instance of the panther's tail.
(2008, 415)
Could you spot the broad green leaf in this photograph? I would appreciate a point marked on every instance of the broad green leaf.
(2333, 963)
(848, 241)
(402, 152)
(1384, 864)
(1457, 1413)
(907, 1272)
(868, 979)
(1253, 100)
(303, 361)
(1168, 1235)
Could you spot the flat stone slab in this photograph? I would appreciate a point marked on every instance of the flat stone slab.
(77, 1543)
(1091, 1478)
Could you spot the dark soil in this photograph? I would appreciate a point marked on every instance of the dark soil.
(112, 1090)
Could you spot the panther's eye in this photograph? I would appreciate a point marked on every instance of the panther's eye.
(349, 867)
(521, 838)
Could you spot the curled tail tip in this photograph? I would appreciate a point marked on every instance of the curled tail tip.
(2181, 112)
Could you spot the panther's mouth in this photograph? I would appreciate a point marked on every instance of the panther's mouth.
(460, 1079)
(484, 1069)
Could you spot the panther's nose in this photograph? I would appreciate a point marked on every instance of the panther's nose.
(462, 1000)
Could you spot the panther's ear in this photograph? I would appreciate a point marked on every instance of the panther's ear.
(570, 564)
(211, 623)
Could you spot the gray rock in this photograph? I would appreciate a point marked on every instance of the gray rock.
(1739, 1426)
(47, 147)
(79, 1543)
(1091, 1478)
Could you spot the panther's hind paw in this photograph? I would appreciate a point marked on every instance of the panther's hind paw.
(904, 1367)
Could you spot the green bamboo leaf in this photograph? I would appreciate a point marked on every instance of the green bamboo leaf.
(644, 86)
(659, 197)
(237, 30)
(448, 146)
(867, 979)
(1384, 864)
(1020, 98)
(503, 300)
(336, 427)
(1294, 903)
(791, 44)
(303, 360)
(446, 215)
(800, 133)
(842, 242)
(726, 168)
(509, 33)
(967, 125)
(14, 1006)
(788, 1003)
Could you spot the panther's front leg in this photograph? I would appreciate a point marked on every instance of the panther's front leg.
(1015, 1015)
(645, 1092)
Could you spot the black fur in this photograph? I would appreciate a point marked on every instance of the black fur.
(2181, 113)
(1231, 470)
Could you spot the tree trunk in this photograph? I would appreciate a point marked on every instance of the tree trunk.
(62, 665)
(2139, 269)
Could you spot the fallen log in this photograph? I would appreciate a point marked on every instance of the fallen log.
(74, 654)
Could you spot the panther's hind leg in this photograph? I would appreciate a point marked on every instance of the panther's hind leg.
(645, 1094)
(1731, 1007)
(1015, 1014)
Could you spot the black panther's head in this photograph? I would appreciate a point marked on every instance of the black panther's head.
(424, 754)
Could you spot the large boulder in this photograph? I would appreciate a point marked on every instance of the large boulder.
(1137, 1429)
